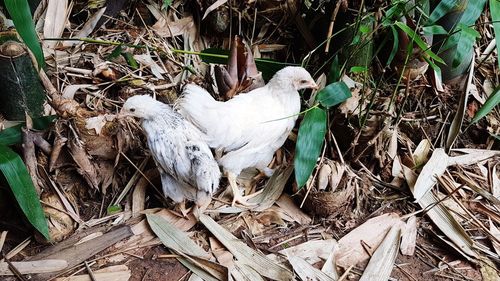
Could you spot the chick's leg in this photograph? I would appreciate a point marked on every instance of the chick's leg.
(237, 197)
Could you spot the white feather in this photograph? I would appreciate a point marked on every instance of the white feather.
(250, 127)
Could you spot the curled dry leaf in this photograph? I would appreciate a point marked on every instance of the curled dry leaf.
(60, 223)
(338, 170)
(323, 177)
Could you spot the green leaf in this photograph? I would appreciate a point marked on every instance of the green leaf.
(434, 29)
(309, 143)
(395, 45)
(495, 17)
(130, 60)
(22, 187)
(20, 12)
(334, 74)
(488, 106)
(117, 51)
(166, 4)
(13, 134)
(113, 209)
(443, 8)
(465, 44)
(421, 44)
(333, 94)
(394, 12)
(358, 69)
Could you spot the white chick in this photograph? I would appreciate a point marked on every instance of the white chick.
(187, 167)
(250, 127)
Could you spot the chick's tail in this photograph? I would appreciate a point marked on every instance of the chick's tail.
(198, 106)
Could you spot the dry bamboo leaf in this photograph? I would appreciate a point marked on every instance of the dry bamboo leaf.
(263, 265)
(397, 169)
(443, 219)
(338, 170)
(148, 61)
(110, 273)
(494, 230)
(174, 238)
(243, 272)
(212, 7)
(213, 269)
(98, 122)
(287, 206)
(55, 21)
(435, 167)
(421, 152)
(409, 237)
(323, 177)
(392, 148)
(87, 28)
(458, 119)
(223, 256)
(495, 183)
(351, 250)
(165, 28)
(3, 235)
(488, 270)
(270, 192)
(472, 156)
(70, 91)
(330, 266)
(381, 263)
(31, 267)
(306, 271)
(312, 251)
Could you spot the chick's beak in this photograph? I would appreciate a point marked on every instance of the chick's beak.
(314, 86)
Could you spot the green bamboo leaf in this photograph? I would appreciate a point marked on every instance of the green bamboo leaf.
(334, 74)
(495, 17)
(333, 94)
(443, 8)
(465, 44)
(434, 29)
(309, 143)
(421, 44)
(488, 106)
(20, 13)
(13, 134)
(395, 45)
(22, 187)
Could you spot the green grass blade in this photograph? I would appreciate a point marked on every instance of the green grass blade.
(421, 44)
(22, 187)
(309, 143)
(334, 74)
(495, 17)
(488, 106)
(333, 94)
(20, 12)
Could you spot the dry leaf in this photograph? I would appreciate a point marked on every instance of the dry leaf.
(371, 233)
(381, 263)
(409, 237)
(165, 28)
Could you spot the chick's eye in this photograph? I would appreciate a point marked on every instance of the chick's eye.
(132, 110)
(303, 81)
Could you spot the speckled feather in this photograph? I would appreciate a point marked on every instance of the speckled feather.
(187, 167)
